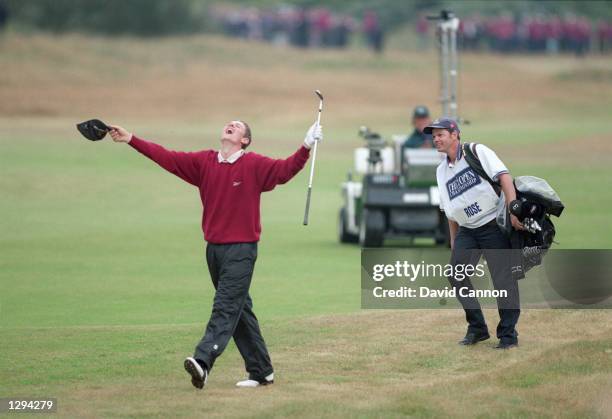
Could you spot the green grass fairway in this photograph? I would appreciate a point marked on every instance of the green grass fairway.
(103, 285)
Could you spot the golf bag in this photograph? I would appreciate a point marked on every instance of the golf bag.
(535, 202)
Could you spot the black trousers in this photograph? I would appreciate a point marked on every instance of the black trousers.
(469, 245)
(231, 269)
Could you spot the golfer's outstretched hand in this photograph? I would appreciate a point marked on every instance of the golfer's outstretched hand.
(120, 134)
(315, 133)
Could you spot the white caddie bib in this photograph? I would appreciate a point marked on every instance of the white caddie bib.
(465, 197)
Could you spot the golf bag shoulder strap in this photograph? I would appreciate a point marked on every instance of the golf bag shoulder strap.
(471, 157)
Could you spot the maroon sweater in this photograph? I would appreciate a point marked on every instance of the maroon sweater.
(230, 193)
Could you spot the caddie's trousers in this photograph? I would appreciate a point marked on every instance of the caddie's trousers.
(470, 244)
(231, 269)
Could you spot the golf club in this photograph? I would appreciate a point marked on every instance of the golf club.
(314, 156)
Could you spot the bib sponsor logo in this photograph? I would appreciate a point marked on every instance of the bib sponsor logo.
(461, 182)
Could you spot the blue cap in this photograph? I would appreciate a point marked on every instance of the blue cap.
(443, 123)
(420, 112)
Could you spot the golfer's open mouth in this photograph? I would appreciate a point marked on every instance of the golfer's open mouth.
(229, 131)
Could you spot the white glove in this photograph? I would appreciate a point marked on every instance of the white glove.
(315, 133)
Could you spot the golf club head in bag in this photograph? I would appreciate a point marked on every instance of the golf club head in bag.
(93, 130)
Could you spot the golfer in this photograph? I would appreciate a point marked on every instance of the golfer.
(470, 204)
(230, 182)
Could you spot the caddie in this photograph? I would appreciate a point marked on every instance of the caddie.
(470, 203)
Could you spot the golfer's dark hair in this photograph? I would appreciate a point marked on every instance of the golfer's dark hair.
(247, 134)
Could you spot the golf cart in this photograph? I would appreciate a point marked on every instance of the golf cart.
(396, 198)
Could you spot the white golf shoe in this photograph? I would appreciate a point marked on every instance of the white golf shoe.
(199, 375)
(254, 383)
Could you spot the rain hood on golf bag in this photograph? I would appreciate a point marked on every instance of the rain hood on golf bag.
(535, 202)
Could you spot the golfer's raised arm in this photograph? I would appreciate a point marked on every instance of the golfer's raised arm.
(186, 165)
(272, 172)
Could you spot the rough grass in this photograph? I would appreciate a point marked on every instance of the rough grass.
(379, 364)
(103, 285)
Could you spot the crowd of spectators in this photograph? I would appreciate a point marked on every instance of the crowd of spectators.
(299, 27)
(529, 33)
(506, 33)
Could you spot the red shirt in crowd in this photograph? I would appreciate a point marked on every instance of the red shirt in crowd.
(230, 192)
